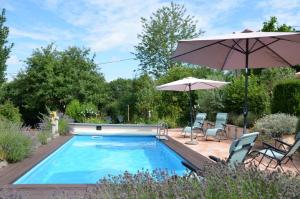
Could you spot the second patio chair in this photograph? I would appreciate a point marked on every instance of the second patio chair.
(218, 127)
(276, 155)
(238, 151)
(197, 126)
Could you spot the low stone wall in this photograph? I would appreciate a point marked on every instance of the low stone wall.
(113, 129)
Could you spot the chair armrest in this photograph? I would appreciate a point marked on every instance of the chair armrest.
(268, 146)
(282, 142)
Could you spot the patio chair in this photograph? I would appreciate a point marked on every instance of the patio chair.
(218, 127)
(198, 125)
(283, 145)
(276, 155)
(238, 151)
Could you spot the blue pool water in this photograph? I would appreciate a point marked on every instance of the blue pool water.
(86, 159)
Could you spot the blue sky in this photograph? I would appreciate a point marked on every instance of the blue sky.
(110, 27)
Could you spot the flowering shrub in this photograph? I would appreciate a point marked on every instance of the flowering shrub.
(276, 124)
(14, 144)
(218, 182)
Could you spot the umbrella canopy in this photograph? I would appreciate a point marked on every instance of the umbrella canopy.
(189, 84)
(196, 84)
(241, 51)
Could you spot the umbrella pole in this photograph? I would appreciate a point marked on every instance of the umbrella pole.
(245, 111)
(192, 142)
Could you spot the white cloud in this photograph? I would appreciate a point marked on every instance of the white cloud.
(42, 33)
(13, 60)
(115, 23)
(286, 11)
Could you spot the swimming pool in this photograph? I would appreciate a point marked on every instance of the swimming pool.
(86, 159)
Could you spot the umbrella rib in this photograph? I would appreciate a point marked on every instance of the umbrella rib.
(197, 49)
(237, 43)
(229, 52)
(275, 52)
(263, 45)
(251, 48)
(286, 39)
(232, 48)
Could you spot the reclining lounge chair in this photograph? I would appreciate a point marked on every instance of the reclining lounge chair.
(238, 151)
(277, 155)
(219, 127)
(197, 126)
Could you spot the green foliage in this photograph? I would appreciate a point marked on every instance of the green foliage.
(219, 182)
(5, 48)
(56, 77)
(273, 26)
(238, 120)
(298, 126)
(286, 97)
(258, 99)
(88, 110)
(10, 112)
(43, 137)
(145, 98)
(81, 112)
(210, 102)
(73, 110)
(13, 143)
(63, 127)
(121, 95)
(94, 120)
(276, 124)
(160, 35)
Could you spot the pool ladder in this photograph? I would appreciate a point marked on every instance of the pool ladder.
(162, 131)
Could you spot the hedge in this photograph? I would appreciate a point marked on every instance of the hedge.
(286, 97)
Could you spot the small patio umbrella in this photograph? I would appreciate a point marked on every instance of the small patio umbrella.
(189, 84)
(241, 51)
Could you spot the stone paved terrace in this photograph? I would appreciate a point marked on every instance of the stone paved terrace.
(219, 149)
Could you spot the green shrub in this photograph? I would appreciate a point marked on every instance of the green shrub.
(95, 120)
(258, 98)
(73, 110)
(276, 124)
(88, 110)
(286, 97)
(219, 182)
(13, 143)
(211, 102)
(63, 127)
(80, 112)
(43, 137)
(238, 120)
(10, 112)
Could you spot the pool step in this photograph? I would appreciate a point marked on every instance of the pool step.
(162, 137)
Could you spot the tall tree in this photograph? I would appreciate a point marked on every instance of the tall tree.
(160, 35)
(273, 26)
(5, 47)
(272, 75)
(53, 78)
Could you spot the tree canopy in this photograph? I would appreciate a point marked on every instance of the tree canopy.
(159, 38)
(5, 47)
(53, 78)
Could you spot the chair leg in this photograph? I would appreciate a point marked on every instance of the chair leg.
(294, 164)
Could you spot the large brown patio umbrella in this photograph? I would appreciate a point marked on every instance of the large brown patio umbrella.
(188, 84)
(241, 51)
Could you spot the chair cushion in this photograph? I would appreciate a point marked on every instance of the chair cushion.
(272, 153)
(212, 132)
